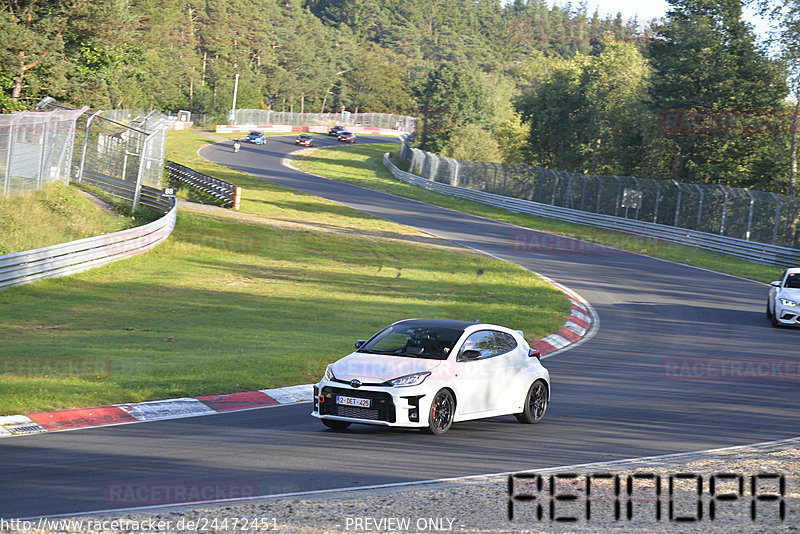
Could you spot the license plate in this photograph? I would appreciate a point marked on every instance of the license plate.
(352, 401)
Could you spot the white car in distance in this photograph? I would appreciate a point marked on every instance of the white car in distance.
(430, 373)
(783, 303)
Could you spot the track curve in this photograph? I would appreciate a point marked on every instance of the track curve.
(613, 396)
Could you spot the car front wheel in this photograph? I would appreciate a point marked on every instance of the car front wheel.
(334, 424)
(535, 404)
(443, 409)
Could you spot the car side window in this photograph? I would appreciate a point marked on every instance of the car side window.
(792, 281)
(489, 343)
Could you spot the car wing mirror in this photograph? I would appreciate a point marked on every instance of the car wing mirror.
(776, 283)
(470, 355)
(360, 343)
(535, 353)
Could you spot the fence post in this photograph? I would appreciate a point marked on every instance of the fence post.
(750, 215)
(86, 144)
(658, 200)
(600, 185)
(137, 193)
(11, 136)
(678, 203)
(42, 155)
(700, 207)
(639, 202)
(555, 187)
(583, 190)
(619, 195)
(724, 209)
(777, 217)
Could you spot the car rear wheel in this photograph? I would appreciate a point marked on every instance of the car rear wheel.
(443, 409)
(334, 424)
(535, 404)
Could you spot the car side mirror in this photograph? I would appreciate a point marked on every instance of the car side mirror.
(776, 283)
(470, 355)
(360, 343)
(535, 353)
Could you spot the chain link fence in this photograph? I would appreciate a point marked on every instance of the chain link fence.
(345, 118)
(730, 211)
(120, 151)
(36, 149)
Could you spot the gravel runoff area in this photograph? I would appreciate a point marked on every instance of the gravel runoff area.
(710, 491)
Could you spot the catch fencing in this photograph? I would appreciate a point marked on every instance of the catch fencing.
(712, 209)
(388, 121)
(749, 250)
(56, 143)
(36, 149)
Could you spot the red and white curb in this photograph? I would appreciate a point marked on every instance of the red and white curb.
(116, 414)
(581, 326)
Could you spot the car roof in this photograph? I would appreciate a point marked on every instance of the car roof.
(441, 323)
(793, 270)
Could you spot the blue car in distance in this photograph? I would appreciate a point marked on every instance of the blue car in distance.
(256, 137)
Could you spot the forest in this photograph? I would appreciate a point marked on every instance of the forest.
(694, 96)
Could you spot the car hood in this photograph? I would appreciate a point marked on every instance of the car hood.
(377, 368)
(790, 293)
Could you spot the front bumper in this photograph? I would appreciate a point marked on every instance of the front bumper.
(401, 407)
(787, 315)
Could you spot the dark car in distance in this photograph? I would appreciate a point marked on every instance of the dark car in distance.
(304, 139)
(347, 137)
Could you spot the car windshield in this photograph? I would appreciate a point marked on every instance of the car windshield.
(417, 341)
(255, 134)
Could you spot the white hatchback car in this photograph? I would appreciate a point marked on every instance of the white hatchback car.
(783, 303)
(430, 373)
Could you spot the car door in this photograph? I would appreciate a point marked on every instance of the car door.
(480, 382)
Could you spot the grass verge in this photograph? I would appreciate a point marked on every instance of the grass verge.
(363, 165)
(55, 214)
(238, 301)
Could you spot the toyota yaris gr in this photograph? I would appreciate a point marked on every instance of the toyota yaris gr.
(783, 302)
(431, 373)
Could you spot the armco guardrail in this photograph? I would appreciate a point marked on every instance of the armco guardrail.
(225, 192)
(126, 191)
(749, 250)
(84, 254)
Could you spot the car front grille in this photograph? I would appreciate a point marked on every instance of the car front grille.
(381, 405)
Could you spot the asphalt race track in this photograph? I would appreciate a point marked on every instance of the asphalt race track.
(619, 395)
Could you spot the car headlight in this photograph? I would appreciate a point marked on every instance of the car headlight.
(409, 380)
(329, 373)
(787, 302)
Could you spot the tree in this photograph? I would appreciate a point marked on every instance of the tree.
(449, 99)
(31, 48)
(705, 60)
(787, 14)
